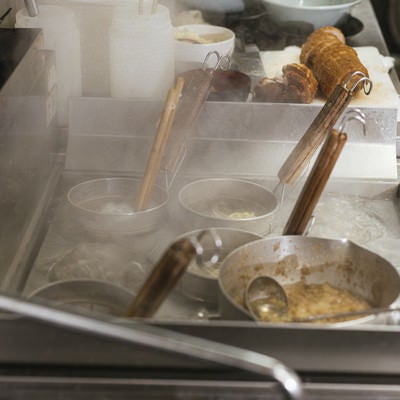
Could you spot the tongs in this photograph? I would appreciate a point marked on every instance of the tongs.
(321, 126)
(301, 215)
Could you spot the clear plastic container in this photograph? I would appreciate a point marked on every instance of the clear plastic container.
(141, 51)
(61, 35)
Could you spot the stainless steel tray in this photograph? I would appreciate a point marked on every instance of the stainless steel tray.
(126, 260)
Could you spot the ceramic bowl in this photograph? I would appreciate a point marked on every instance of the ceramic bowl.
(190, 55)
(316, 12)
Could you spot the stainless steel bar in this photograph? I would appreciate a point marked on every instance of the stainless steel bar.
(147, 335)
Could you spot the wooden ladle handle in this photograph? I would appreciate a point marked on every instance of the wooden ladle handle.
(315, 184)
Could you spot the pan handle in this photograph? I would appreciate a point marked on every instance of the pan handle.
(299, 220)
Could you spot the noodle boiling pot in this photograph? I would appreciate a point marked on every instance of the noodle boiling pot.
(289, 259)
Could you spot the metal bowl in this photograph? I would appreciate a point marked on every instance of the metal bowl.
(201, 282)
(227, 203)
(106, 205)
(290, 259)
(87, 294)
(316, 12)
(99, 261)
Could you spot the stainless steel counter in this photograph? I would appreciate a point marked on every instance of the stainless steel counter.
(41, 359)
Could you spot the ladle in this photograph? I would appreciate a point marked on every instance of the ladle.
(266, 300)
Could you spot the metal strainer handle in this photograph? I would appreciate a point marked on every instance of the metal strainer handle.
(167, 271)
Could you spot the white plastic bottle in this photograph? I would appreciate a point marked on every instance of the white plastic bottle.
(61, 35)
(141, 51)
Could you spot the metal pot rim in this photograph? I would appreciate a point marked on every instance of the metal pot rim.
(344, 241)
(92, 212)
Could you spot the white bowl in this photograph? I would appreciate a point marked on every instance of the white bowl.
(317, 12)
(189, 55)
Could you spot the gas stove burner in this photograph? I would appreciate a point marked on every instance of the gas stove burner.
(350, 26)
(258, 28)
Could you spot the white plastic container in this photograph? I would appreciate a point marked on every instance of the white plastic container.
(61, 35)
(141, 52)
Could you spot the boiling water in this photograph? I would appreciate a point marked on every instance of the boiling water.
(226, 207)
(347, 218)
(99, 261)
(112, 205)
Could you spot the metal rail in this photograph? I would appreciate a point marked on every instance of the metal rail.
(140, 333)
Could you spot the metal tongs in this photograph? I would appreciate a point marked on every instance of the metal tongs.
(321, 125)
(301, 216)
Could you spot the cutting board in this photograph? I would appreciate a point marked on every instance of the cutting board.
(383, 95)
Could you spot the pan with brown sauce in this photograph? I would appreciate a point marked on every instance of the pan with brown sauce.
(313, 299)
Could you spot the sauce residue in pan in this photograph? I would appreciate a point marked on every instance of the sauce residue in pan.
(307, 300)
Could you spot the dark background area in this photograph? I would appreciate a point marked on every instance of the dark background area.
(388, 14)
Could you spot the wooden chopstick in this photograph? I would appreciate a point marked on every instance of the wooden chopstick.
(159, 144)
(315, 184)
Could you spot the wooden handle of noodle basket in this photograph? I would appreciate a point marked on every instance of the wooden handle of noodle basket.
(315, 184)
(314, 136)
(159, 145)
(195, 92)
(162, 279)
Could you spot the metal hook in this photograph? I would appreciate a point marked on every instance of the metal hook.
(354, 114)
(223, 62)
(217, 242)
(367, 83)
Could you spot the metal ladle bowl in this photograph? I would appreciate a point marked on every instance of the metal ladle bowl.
(266, 300)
